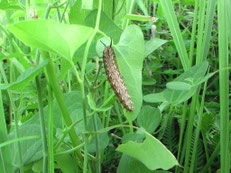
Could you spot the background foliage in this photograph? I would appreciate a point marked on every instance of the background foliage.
(58, 112)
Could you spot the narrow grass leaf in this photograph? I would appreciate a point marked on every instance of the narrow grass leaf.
(224, 83)
(5, 153)
(25, 77)
(175, 31)
(210, 12)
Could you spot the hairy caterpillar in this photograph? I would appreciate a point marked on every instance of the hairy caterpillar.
(115, 78)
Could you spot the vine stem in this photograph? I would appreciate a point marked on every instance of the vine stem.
(82, 87)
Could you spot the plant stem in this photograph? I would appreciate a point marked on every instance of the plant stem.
(41, 112)
(50, 132)
(213, 156)
(190, 130)
(41, 116)
(13, 112)
(198, 129)
(53, 82)
(5, 153)
(106, 89)
(42, 122)
(182, 127)
(98, 159)
(82, 76)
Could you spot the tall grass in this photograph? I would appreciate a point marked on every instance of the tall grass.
(224, 82)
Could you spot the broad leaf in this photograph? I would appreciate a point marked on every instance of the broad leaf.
(149, 118)
(77, 14)
(130, 55)
(66, 163)
(130, 165)
(178, 85)
(107, 26)
(177, 93)
(152, 153)
(49, 35)
(74, 106)
(31, 149)
(154, 98)
(5, 5)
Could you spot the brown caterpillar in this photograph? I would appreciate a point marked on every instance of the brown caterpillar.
(115, 78)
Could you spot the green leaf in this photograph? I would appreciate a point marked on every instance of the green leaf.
(203, 79)
(66, 163)
(31, 149)
(25, 77)
(148, 80)
(136, 137)
(178, 85)
(49, 35)
(138, 167)
(153, 44)
(74, 107)
(142, 7)
(103, 137)
(154, 98)
(5, 5)
(173, 24)
(130, 55)
(109, 8)
(140, 18)
(194, 75)
(92, 104)
(149, 118)
(87, 4)
(188, 2)
(77, 14)
(106, 25)
(152, 153)
(38, 166)
(130, 165)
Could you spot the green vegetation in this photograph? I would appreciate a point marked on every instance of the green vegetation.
(58, 112)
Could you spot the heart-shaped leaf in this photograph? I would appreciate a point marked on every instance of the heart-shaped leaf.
(130, 55)
(178, 90)
(152, 153)
(49, 35)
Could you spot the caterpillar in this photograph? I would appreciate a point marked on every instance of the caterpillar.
(115, 78)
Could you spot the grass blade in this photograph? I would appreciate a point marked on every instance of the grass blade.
(224, 83)
(210, 12)
(175, 31)
(5, 156)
